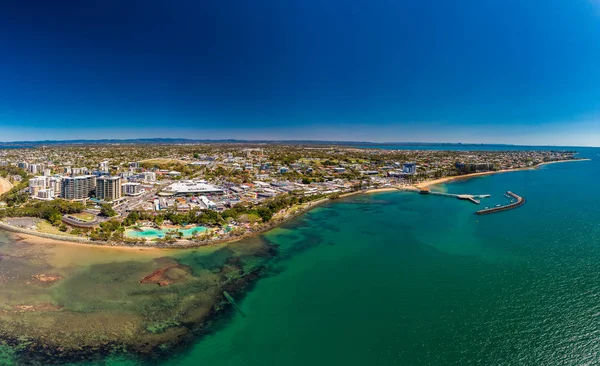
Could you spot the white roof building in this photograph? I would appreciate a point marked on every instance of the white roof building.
(190, 187)
(206, 203)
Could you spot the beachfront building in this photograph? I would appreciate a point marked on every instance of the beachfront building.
(78, 188)
(108, 188)
(189, 187)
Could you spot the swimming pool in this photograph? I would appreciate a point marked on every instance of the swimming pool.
(160, 233)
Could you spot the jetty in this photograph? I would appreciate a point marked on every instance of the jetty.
(519, 201)
(474, 198)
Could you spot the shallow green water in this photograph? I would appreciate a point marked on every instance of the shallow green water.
(159, 233)
(405, 279)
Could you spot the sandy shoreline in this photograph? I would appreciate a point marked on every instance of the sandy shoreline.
(5, 185)
(34, 239)
(435, 182)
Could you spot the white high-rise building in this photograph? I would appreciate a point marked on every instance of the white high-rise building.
(36, 184)
(78, 188)
(103, 166)
(108, 188)
(46, 194)
(55, 183)
(126, 174)
(35, 168)
(149, 176)
(131, 189)
(79, 171)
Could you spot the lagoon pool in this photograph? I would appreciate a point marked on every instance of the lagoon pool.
(160, 233)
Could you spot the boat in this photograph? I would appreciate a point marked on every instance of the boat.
(497, 205)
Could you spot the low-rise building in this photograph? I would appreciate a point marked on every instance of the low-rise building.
(206, 203)
(189, 187)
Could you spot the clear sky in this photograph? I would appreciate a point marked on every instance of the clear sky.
(495, 71)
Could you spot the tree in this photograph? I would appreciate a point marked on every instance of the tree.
(107, 210)
(265, 213)
(55, 218)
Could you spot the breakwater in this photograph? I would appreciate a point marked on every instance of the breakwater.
(519, 201)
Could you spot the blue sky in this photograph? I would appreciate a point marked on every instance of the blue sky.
(524, 72)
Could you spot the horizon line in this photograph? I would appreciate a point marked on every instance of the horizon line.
(83, 140)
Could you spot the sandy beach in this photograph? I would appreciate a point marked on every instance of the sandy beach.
(379, 190)
(5, 185)
(34, 239)
(434, 182)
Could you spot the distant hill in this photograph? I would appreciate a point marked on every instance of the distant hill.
(24, 144)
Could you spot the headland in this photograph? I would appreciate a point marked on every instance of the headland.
(434, 182)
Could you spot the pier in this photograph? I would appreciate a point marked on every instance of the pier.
(466, 197)
(520, 201)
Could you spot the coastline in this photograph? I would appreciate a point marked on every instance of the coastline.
(5, 185)
(32, 236)
(435, 182)
(56, 239)
(36, 239)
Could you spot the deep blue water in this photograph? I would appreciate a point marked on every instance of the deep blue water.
(467, 147)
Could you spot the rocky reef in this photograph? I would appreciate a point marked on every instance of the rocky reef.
(71, 311)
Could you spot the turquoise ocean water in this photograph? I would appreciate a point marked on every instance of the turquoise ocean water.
(405, 279)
